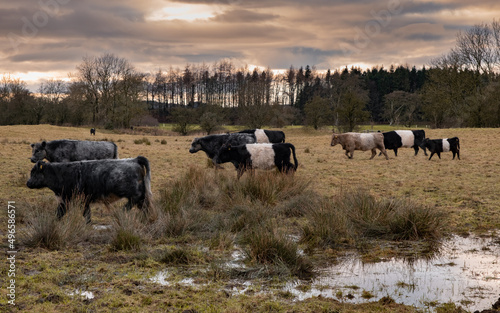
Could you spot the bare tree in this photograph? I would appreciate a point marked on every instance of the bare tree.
(475, 47)
(111, 86)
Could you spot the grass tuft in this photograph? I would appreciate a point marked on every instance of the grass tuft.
(45, 230)
(143, 140)
(357, 215)
(266, 244)
(129, 231)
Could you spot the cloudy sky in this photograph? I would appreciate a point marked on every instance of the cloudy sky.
(44, 39)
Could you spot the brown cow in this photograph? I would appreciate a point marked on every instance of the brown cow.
(360, 141)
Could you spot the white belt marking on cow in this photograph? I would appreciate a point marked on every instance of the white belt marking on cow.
(407, 138)
(446, 145)
(367, 141)
(262, 156)
(261, 136)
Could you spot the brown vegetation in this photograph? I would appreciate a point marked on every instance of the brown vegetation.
(201, 216)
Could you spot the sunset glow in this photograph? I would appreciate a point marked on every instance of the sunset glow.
(44, 42)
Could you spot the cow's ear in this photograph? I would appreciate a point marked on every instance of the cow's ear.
(44, 143)
(32, 145)
(40, 165)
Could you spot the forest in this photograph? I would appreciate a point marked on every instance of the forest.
(459, 89)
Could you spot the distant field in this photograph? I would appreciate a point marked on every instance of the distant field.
(468, 188)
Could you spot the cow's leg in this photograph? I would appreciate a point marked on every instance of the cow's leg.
(395, 152)
(439, 154)
(129, 204)
(374, 153)
(86, 213)
(216, 165)
(415, 147)
(384, 152)
(239, 171)
(61, 209)
(458, 154)
(432, 153)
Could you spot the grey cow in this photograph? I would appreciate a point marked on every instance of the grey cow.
(97, 180)
(73, 150)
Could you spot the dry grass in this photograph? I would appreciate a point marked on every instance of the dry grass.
(201, 215)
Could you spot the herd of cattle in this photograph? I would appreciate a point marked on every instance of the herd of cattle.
(92, 168)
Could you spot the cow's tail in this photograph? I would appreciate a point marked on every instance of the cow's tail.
(148, 195)
(296, 163)
(115, 151)
(458, 143)
(283, 141)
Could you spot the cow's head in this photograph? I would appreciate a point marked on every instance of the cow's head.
(38, 151)
(37, 176)
(195, 145)
(335, 139)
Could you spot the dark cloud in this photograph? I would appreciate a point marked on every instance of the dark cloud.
(278, 33)
(424, 37)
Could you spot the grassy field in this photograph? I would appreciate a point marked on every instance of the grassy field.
(466, 190)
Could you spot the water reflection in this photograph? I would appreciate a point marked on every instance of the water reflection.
(466, 271)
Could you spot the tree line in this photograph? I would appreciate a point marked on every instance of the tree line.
(458, 89)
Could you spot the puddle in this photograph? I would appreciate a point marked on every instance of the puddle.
(162, 279)
(88, 295)
(466, 272)
(101, 227)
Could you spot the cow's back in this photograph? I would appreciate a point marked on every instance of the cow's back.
(94, 150)
(75, 150)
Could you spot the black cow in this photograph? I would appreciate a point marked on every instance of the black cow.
(259, 156)
(211, 144)
(436, 146)
(73, 150)
(393, 140)
(97, 180)
(266, 136)
(92, 131)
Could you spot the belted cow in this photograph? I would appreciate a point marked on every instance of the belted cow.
(266, 136)
(264, 156)
(436, 146)
(73, 150)
(96, 180)
(393, 140)
(211, 144)
(360, 141)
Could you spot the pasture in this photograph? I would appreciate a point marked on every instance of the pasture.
(466, 191)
